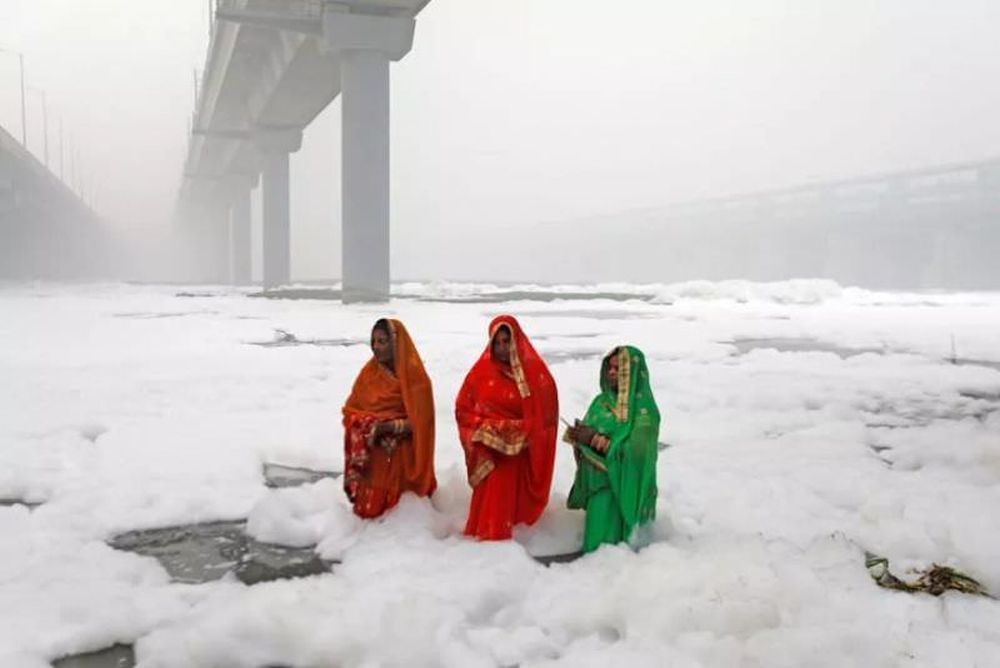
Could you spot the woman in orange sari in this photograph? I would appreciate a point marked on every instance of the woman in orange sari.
(507, 412)
(389, 425)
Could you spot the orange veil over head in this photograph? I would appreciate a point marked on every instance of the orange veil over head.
(377, 393)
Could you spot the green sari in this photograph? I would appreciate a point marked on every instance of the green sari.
(618, 489)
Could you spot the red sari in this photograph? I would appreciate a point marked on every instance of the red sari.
(507, 421)
(378, 471)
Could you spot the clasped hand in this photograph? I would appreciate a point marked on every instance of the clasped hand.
(581, 433)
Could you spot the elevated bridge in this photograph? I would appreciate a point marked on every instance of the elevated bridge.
(272, 67)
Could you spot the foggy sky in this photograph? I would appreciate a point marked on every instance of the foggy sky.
(506, 114)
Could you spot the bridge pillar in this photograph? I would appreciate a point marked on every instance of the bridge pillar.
(239, 234)
(210, 236)
(365, 44)
(275, 147)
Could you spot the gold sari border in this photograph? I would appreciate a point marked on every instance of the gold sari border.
(515, 361)
(483, 469)
(624, 373)
(489, 439)
(593, 460)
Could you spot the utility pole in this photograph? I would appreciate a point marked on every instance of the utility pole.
(24, 114)
(45, 126)
(45, 122)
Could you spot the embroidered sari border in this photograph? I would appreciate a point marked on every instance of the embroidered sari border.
(485, 436)
(483, 469)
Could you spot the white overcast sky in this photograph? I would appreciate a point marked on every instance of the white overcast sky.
(508, 113)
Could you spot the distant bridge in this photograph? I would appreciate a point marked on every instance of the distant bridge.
(936, 227)
(46, 231)
(273, 66)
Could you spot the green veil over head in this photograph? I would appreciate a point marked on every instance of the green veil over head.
(627, 414)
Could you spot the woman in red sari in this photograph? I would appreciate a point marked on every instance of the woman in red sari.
(507, 412)
(389, 425)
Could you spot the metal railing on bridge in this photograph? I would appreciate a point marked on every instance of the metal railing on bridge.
(295, 15)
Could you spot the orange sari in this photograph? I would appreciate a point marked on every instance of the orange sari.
(378, 471)
(507, 421)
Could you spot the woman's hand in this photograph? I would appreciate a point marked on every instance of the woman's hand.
(392, 427)
(581, 433)
(600, 443)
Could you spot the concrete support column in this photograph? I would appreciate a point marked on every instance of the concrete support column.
(275, 147)
(364, 45)
(211, 255)
(365, 175)
(239, 238)
(277, 228)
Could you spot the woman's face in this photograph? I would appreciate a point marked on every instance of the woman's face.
(382, 347)
(612, 373)
(501, 345)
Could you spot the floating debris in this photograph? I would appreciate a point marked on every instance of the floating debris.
(283, 338)
(799, 345)
(934, 580)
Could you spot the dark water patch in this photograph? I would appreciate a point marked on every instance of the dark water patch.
(590, 314)
(980, 395)
(561, 356)
(579, 335)
(197, 553)
(285, 339)
(116, 656)
(970, 362)
(529, 295)
(12, 501)
(198, 294)
(149, 315)
(325, 294)
(882, 452)
(278, 475)
(92, 432)
(798, 345)
(923, 411)
(277, 562)
(564, 558)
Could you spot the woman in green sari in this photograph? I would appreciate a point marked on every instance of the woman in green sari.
(616, 447)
